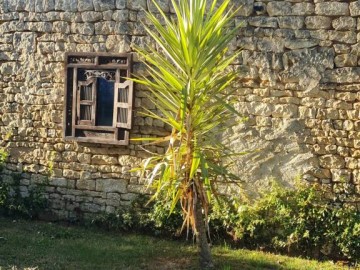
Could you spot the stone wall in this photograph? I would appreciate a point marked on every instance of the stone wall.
(300, 81)
(298, 84)
(85, 178)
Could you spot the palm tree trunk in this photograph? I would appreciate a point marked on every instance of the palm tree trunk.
(205, 257)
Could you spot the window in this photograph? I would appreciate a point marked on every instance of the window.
(98, 98)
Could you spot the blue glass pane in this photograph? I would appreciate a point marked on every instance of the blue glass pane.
(105, 102)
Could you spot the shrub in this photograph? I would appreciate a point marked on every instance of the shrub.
(154, 220)
(12, 202)
(304, 221)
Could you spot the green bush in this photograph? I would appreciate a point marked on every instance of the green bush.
(305, 221)
(12, 203)
(154, 219)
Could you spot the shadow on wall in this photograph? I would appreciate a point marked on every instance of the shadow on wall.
(273, 153)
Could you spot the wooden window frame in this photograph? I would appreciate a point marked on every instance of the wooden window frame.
(76, 129)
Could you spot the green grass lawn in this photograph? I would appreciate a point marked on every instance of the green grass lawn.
(31, 244)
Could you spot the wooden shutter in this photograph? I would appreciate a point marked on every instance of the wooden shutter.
(123, 100)
(86, 102)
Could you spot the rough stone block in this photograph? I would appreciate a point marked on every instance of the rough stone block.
(120, 4)
(102, 5)
(65, 5)
(103, 160)
(69, 156)
(258, 108)
(90, 207)
(291, 22)
(85, 5)
(111, 185)
(318, 22)
(121, 16)
(299, 9)
(332, 9)
(113, 199)
(125, 160)
(348, 125)
(344, 23)
(348, 37)
(24, 42)
(84, 48)
(247, 8)
(320, 173)
(280, 8)
(105, 28)
(85, 184)
(58, 182)
(83, 28)
(44, 5)
(129, 196)
(341, 175)
(125, 28)
(271, 45)
(138, 189)
(345, 60)
(306, 112)
(342, 48)
(84, 158)
(263, 22)
(91, 16)
(342, 75)
(4, 7)
(104, 168)
(357, 125)
(355, 153)
(136, 4)
(29, 6)
(354, 8)
(163, 4)
(285, 111)
(20, 5)
(351, 163)
(332, 162)
(296, 44)
(246, 43)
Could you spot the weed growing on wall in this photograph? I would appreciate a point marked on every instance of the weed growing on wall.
(3, 157)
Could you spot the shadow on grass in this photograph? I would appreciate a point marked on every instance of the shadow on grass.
(52, 246)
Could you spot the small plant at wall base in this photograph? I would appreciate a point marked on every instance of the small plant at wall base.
(16, 204)
(303, 221)
(189, 80)
(152, 220)
(13, 202)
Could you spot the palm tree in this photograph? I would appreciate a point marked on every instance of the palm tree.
(189, 79)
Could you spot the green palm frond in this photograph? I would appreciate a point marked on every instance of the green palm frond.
(189, 83)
